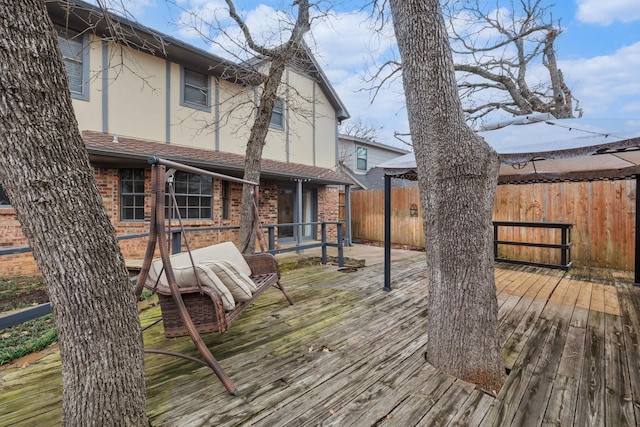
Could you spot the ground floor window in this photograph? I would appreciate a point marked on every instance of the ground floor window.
(132, 194)
(4, 199)
(193, 195)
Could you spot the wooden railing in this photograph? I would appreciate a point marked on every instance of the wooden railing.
(564, 246)
(21, 316)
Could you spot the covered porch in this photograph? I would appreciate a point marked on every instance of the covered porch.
(350, 354)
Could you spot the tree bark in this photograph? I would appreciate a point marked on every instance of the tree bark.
(46, 174)
(255, 146)
(457, 174)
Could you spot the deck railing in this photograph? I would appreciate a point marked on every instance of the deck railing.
(564, 246)
(21, 316)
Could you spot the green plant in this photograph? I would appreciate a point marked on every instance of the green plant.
(26, 338)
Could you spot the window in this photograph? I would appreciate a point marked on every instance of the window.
(361, 158)
(132, 195)
(75, 55)
(195, 89)
(4, 199)
(193, 195)
(277, 116)
(225, 199)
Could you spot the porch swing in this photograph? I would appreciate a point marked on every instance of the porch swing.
(193, 287)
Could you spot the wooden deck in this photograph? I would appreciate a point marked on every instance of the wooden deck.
(350, 354)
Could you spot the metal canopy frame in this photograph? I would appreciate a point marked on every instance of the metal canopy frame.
(535, 149)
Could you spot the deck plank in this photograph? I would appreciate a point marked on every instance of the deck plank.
(349, 354)
(590, 402)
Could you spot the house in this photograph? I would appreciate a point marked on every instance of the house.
(139, 93)
(358, 158)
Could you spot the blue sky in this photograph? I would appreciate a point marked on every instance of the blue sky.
(598, 52)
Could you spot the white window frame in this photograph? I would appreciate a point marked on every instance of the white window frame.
(359, 157)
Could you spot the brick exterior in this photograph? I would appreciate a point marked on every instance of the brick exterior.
(108, 182)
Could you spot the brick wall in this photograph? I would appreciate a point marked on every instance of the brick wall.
(108, 182)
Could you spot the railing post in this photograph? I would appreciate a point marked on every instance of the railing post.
(495, 241)
(323, 233)
(176, 242)
(340, 246)
(271, 230)
(563, 251)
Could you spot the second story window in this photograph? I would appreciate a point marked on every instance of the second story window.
(195, 90)
(277, 116)
(132, 195)
(361, 158)
(193, 195)
(4, 199)
(75, 55)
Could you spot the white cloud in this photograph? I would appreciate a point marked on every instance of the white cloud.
(606, 85)
(605, 12)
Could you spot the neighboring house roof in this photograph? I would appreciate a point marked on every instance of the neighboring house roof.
(110, 150)
(81, 15)
(370, 143)
(534, 149)
(374, 179)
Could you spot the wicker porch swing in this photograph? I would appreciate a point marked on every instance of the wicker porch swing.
(193, 298)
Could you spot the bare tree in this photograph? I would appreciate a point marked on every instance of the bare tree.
(46, 174)
(360, 129)
(267, 58)
(506, 58)
(457, 173)
(278, 59)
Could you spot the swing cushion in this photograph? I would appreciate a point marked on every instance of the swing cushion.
(239, 284)
(209, 279)
(226, 251)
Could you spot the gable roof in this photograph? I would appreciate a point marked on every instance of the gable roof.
(362, 141)
(114, 151)
(82, 16)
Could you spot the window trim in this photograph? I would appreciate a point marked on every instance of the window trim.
(122, 194)
(183, 83)
(278, 108)
(71, 34)
(360, 150)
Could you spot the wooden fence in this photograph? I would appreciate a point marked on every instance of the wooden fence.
(603, 214)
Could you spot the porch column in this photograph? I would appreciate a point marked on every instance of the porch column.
(298, 217)
(347, 215)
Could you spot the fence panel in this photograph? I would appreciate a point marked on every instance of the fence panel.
(603, 214)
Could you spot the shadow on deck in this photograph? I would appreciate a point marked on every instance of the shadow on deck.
(350, 354)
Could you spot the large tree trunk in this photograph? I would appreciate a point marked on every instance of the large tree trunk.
(457, 174)
(46, 173)
(255, 146)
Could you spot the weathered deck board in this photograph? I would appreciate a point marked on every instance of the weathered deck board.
(349, 354)
(630, 318)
